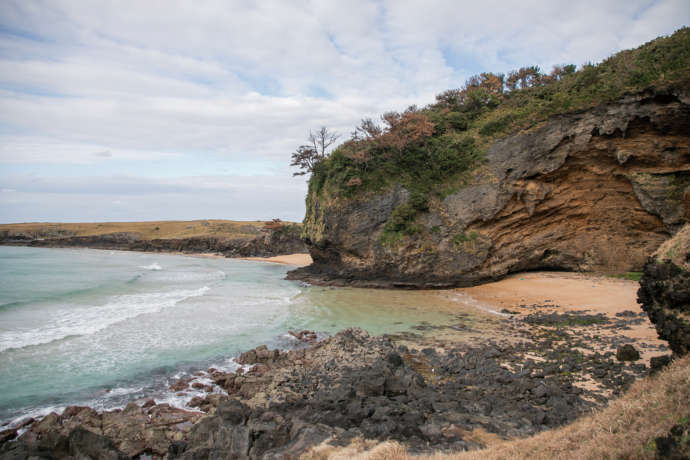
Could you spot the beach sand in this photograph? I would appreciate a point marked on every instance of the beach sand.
(298, 260)
(560, 292)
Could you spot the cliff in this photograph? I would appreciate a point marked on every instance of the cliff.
(596, 189)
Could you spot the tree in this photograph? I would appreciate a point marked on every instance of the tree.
(308, 155)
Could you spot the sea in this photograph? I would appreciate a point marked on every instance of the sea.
(102, 328)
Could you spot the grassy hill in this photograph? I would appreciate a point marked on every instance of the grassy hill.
(145, 230)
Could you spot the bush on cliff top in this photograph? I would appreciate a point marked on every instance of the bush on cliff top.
(435, 142)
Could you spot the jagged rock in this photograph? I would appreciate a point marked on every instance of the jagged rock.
(84, 433)
(304, 336)
(86, 444)
(7, 435)
(665, 291)
(659, 362)
(349, 385)
(556, 197)
(627, 353)
(676, 444)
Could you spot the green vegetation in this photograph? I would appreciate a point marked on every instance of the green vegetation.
(429, 150)
(632, 276)
(288, 228)
(462, 238)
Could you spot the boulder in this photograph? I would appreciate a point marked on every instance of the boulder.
(627, 353)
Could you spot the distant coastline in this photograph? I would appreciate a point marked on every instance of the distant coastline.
(219, 237)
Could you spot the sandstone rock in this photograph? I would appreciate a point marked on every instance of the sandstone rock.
(564, 195)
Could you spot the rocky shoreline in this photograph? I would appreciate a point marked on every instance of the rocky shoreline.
(266, 244)
(430, 394)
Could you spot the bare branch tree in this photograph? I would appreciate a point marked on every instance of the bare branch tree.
(308, 155)
(322, 139)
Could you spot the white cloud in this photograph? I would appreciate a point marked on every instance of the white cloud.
(244, 82)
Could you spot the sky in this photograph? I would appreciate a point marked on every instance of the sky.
(169, 110)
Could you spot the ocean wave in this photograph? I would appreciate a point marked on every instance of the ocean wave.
(153, 266)
(108, 286)
(186, 277)
(86, 321)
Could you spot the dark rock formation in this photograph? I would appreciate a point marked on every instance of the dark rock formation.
(665, 291)
(597, 190)
(354, 385)
(676, 444)
(627, 353)
(81, 432)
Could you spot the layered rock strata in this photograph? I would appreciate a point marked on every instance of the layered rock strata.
(597, 190)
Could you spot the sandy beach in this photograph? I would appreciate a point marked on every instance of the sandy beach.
(298, 260)
(549, 292)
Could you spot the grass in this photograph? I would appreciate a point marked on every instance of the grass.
(676, 249)
(626, 429)
(631, 276)
(145, 230)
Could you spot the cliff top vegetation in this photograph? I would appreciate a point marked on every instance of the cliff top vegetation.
(425, 149)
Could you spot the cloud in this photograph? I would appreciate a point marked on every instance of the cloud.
(136, 198)
(237, 85)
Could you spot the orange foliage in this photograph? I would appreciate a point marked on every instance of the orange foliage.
(275, 224)
(405, 129)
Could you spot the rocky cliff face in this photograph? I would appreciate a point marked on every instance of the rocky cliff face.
(597, 190)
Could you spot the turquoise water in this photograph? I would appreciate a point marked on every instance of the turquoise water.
(81, 326)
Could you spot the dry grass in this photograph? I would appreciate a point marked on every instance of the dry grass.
(626, 429)
(146, 230)
(676, 248)
(358, 449)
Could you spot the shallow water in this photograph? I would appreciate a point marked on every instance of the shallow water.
(94, 327)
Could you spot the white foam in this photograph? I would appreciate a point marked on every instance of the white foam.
(471, 301)
(36, 414)
(185, 277)
(153, 266)
(85, 321)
